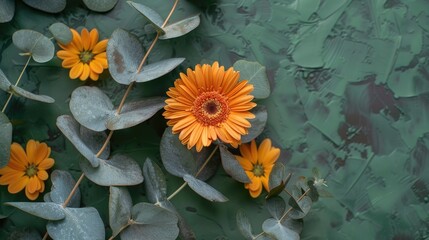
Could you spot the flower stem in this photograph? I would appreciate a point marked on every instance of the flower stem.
(290, 209)
(16, 84)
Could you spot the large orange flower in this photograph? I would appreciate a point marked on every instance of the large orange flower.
(85, 55)
(209, 103)
(258, 163)
(27, 169)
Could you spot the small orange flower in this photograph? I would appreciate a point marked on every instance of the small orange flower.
(209, 103)
(27, 169)
(258, 163)
(85, 55)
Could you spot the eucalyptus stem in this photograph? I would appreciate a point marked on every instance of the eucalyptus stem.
(290, 209)
(17, 82)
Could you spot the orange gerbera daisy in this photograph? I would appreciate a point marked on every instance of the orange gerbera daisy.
(27, 169)
(209, 103)
(258, 163)
(85, 55)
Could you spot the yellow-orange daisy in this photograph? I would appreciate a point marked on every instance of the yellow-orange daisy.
(27, 169)
(258, 163)
(85, 55)
(209, 103)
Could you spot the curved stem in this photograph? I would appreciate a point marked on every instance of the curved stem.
(16, 84)
(290, 209)
(75, 187)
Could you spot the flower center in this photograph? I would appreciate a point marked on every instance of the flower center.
(258, 170)
(31, 170)
(211, 108)
(86, 56)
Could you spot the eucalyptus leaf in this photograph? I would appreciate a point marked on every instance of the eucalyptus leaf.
(243, 225)
(276, 228)
(5, 139)
(204, 190)
(257, 124)
(181, 27)
(185, 232)
(100, 5)
(71, 129)
(4, 82)
(153, 17)
(120, 205)
(119, 170)
(7, 9)
(301, 205)
(62, 185)
(276, 207)
(40, 47)
(210, 167)
(278, 180)
(231, 165)
(158, 69)
(91, 107)
(155, 184)
(50, 6)
(151, 222)
(177, 159)
(45, 210)
(256, 75)
(79, 223)
(134, 113)
(61, 33)
(24, 93)
(95, 141)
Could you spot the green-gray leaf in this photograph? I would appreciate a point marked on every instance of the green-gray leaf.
(50, 6)
(177, 159)
(45, 210)
(100, 5)
(151, 222)
(34, 43)
(119, 170)
(4, 81)
(278, 180)
(243, 225)
(155, 70)
(276, 206)
(79, 223)
(5, 139)
(204, 190)
(231, 165)
(280, 231)
(153, 17)
(185, 231)
(24, 93)
(62, 184)
(255, 74)
(61, 33)
(257, 124)
(155, 184)
(301, 207)
(120, 205)
(181, 27)
(7, 9)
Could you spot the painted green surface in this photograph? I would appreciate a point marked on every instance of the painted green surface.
(350, 96)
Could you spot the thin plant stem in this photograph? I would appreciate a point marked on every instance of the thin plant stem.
(16, 84)
(290, 209)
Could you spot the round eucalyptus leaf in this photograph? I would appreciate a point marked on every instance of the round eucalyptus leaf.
(62, 185)
(45, 210)
(255, 74)
(280, 231)
(201, 157)
(181, 28)
(7, 9)
(155, 184)
(257, 124)
(100, 5)
(177, 159)
(61, 33)
(151, 222)
(278, 180)
(153, 17)
(204, 190)
(276, 207)
(243, 225)
(50, 6)
(95, 141)
(5, 139)
(40, 47)
(119, 170)
(124, 53)
(158, 69)
(231, 165)
(4, 82)
(24, 93)
(120, 205)
(91, 107)
(71, 129)
(185, 231)
(301, 207)
(79, 223)
(135, 113)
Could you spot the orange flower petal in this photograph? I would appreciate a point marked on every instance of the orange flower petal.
(18, 184)
(100, 47)
(70, 62)
(11, 177)
(31, 196)
(85, 72)
(263, 149)
(93, 35)
(46, 164)
(77, 41)
(86, 40)
(42, 175)
(93, 76)
(63, 54)
(96, 67)
(76, 71)
(33, 185)
(245, 163)
(102, 59)
(18, 154)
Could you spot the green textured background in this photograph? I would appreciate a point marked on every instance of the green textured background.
(350, 83)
